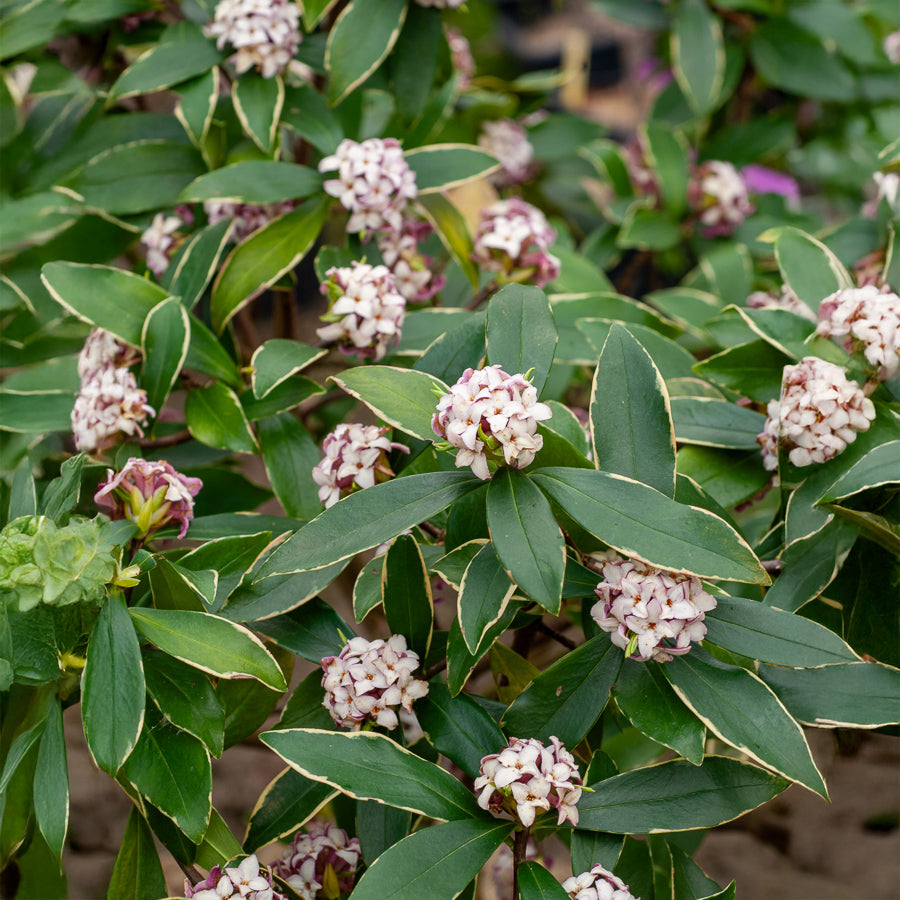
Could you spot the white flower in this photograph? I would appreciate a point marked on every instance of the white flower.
(321, 846)
(598, 884)
(891, 47)
(158, 240)
(785, 299)
(528, 776)
(719, 195)
(514, 238)
(460, 56)
(248, 217)
(374, 182)
(265, 33)
(651, 613)
(819, 413)
(352, 455)
(245, 880)
(441, 4)
(101, 350)
(108, 406)
(400, 251)
(870, 320)
(371, 680)
(491, 412)
(508, 141)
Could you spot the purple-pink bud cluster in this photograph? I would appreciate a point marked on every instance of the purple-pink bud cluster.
(322, 853)
(718, 195)
(597, 884)
(248, 217)
(246, 880)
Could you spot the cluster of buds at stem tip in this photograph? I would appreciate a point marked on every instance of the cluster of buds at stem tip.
(246, 881)
(354, 456)
(819, 413)
(320, 859)
(411, 269)
(528, 777)
(248, 217)
(150, 494)
(369, 681)
(597, 884)
(718, 195)
(109, 403)
(784, 299)
(460, 57)
(490, 416)
(508, 142)
(265, 33)
(514, 239)
(869, 320)
(366, 311)
(375, 183)
(650, 613)
(159, 239)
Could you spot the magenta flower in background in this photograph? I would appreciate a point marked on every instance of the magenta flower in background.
(763, 180)
(150, 494)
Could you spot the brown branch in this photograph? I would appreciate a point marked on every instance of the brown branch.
(520, 847)
(556, 635)
(437, 533)
(431, 671)
(479, 298)
(169, 440)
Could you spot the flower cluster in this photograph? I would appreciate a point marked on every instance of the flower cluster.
(353, 456)
(508, 141)
(870, 320)
(598, 884)
(441, 4)
(526, 777)
(650, 613)
(323, 856)
(245, 881)
(109, 402)
(375, 183)
(491, 413)
(819, 412)
(785, 299)
(366, 313)
(413, 277)
(640, 172)
(460, 57)
(514, 239)
(248, 217)
(265, 33)
(150, 494)
(718, 194)
(371, 680)
(159, 240)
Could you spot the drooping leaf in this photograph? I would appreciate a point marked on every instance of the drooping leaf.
(51, 782)
(258, 102)
(165, 339)
(698, 54)
(137, 873)
(808, 267)
(406, 594)
(484, 592)
(379, 827)
(277, 360)
(536, 883)
(289, 455)
(214, 417)
(451, 228)
(370, 766)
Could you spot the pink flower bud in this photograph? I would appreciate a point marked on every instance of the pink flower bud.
(321, 854)
(718, 195)
(598, 884)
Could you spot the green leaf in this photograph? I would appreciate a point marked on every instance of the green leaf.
(379, 827)
(484, 592)
(370, 766)
(536, 883)
(406, 594)
(63, 493)
(258, 262)
(741, 710)
(848, 695)
(197, 104)
(534, 555)
(207, 356)
(808, 267)
(361, 37)
(440, 167)
(23, 494)
(214, 417)
(175, 588)
(183, 52)
(219, 844)
(196, 261)
(677, 796)
(186, 697)
(404, 398)
(873, 470)
(306, 111)
(668, 156)
(277, 360)
(365, 519)
(289, 454)
(277, 594)
(641, 523)
(137, 874)
(367, 589)
(29, 25)
(209, 643)
(414, 61)
(258, 102)
(592, 847)
(631, 425)
(698, 54)
(716, 423)
(314, 632)
(112, 689)
(753, 369)
(460, 348)
(51, 782)
(567, 698)
(288, 395)
(520, 332)
(36, 412)
(451, 228)
(95, 294)
(726, 476)
(254, 181)
(157, 768)
(164, 343)
(248, 704)
(758, 631)
(288, 801)
(649, 229)
(648, 701)
(458, 728)
(438, 862)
